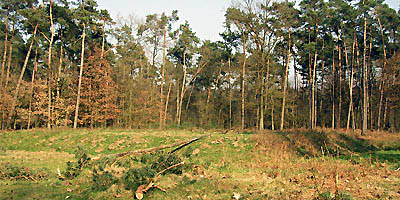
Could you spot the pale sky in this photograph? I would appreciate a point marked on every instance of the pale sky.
(206, 17)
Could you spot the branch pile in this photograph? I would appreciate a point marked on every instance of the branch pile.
(136, 170)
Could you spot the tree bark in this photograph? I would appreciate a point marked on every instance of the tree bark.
(262, 94)
(22, 73)
(162, 121)
(313, 85)
(3, 63)
(365, 111)
(333, 88)
(230, 92)
(9, 59)
(49, 106)
(243, 79)
(382, 83)
(385, 113)
(338, 118)
(103, 39)
(285, 83)
(166, 104)
(351, 85)
(272, 114)
(311, 113)
(32, 89)
(80, 78)
(266, 84)
(59, 71)
(183, 88)
(190, 97)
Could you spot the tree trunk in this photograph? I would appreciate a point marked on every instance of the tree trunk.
(230, 92)
(385, 113)
(272, 113)
(313, 86)
(177, 101)
(80, 78)
(166, 104)
(266, 84)
(333, 88)
(3, 63)
(311, 113)
(9, 59)
(162, 121)
(22, 73)
(285, 83)
(190, 96)
(338, 117)
(351, 86)
(382, 83)
(369, 90)
(243, 78)
(103, 39)
(365, 111)
(49, 67)
(183, 88)
(32, 89)
(59, 72)
(262, 94)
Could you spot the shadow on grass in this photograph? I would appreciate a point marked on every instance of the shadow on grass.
(314, 143)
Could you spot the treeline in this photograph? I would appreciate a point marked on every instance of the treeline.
(278, 65)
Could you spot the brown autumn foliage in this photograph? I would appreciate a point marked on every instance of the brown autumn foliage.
(99, 91)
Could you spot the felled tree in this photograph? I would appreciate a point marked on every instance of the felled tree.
(99, 91)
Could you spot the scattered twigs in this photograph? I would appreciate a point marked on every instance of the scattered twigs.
(166, 169)
(60, 176)
(28, 177)
(142, 189)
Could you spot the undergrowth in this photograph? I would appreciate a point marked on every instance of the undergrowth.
(12, 172)
(129, 172)
(333, 196)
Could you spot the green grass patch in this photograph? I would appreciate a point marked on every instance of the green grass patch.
(278, 165)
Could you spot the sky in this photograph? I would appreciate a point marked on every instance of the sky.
(206, 17)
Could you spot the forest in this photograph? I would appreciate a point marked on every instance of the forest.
(296, 100)
(278, 65)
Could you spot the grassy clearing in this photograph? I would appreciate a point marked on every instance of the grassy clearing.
(296, 164)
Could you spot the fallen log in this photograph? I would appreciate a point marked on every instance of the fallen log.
(141, 190)
(179, 145)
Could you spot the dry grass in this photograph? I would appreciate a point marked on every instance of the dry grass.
(306, 178)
